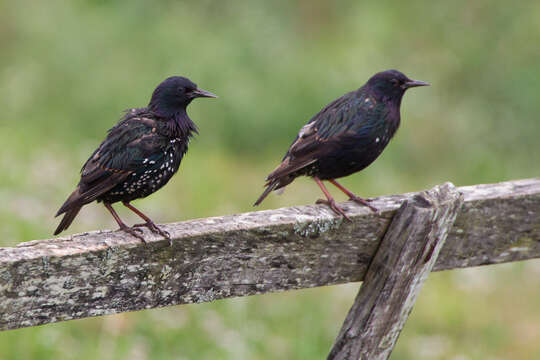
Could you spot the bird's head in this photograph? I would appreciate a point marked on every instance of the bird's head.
(174, 94)
(392, 83)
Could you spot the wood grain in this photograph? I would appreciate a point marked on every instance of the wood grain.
(108, 272)
(396, 274)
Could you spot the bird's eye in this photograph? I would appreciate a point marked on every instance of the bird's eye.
(395, 82)
(181, 90)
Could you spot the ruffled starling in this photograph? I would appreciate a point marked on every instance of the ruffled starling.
(345, 137)
(140, 155)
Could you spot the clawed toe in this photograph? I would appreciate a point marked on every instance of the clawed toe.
(332, 205)
(134, 232)
(365, 202)
(155, 229)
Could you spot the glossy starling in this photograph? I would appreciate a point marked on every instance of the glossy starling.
(345, 137)
(140, 154)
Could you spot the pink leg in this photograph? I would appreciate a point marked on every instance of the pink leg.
(353, 197)
(149, 223)
(330, 200)
(124, 227)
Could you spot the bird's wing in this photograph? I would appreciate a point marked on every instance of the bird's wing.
(132, 145)
(339, 122)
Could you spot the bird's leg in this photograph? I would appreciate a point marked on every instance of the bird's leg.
(124, 227)
(330, 200)
(353, 197)
(149, 223)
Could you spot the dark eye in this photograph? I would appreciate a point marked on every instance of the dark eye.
(181, 90)
(395, 82)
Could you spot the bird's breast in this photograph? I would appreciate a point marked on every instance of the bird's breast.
(152, 175)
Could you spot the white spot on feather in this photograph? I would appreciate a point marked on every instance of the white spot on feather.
(305, 130)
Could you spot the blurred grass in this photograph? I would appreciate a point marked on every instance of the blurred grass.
(67, 70)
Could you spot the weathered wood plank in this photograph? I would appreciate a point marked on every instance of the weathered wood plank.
(108, 272)
(396, 274)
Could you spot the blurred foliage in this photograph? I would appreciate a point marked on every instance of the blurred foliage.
(68, 69)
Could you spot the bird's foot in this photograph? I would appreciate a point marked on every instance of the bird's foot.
(365, 202)
(133, 232)
(332, 205)
(156, 230)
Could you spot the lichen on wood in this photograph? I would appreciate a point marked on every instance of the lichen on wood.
(396, 274)
(106, 272)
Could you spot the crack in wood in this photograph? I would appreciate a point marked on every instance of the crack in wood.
(106, 272)
(386, 297)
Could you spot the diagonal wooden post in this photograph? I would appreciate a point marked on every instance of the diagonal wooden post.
(396, 274)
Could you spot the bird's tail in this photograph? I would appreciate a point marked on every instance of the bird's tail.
(71, 207)
(272, 185)
(269, 187)
(67, 220)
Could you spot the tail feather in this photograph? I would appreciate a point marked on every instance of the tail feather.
(67, 220)
(71, 208)
(269, 187)
(74, 200)
(274, 184)
(284, 174)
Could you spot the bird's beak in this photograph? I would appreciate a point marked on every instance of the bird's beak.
(202, 93)
(414, 83)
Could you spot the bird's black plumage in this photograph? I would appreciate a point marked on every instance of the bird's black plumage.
(140, 154)
(346, 136)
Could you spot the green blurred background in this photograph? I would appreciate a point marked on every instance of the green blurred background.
(68, 69)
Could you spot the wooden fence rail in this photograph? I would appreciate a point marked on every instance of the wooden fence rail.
(107, 272)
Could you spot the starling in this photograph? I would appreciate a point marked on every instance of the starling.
(345, 137)
(140, 155)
